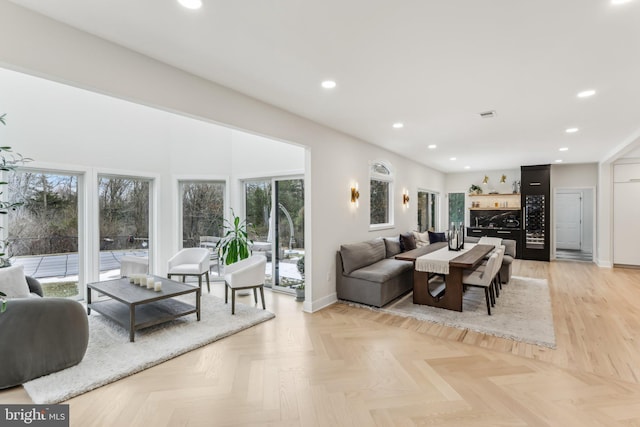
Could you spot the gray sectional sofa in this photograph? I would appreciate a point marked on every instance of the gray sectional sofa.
(39, 336)
(368, 273)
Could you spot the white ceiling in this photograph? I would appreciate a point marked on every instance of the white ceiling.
(433, 65)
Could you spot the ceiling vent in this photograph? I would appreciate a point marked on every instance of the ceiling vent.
(488, 114)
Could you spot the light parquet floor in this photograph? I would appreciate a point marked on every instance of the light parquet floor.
(345, 366)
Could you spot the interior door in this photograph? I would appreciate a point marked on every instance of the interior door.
(569, 221)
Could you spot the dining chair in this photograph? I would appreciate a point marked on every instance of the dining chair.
(483, 278)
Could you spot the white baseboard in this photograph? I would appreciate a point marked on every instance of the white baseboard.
(319, 304)
(604, 264)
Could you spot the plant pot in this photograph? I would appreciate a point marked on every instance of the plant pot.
(299, 294)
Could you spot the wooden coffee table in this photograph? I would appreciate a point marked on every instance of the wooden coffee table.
(135, 307)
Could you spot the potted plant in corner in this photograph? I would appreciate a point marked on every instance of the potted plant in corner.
(7, 164)
(300, 288)
(234, 246)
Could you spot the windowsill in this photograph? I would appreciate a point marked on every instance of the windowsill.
(377, 227)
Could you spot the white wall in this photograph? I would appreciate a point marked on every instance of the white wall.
(333, 161)
(67, 128)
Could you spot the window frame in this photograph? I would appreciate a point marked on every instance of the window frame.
(180, 198)
(389, 179)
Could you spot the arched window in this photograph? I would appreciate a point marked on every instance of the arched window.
(381, 201)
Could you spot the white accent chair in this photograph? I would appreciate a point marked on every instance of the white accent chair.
(190, 262)
(248, 273)
(210, 243)
(483, 278)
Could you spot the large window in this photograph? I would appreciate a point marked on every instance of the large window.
(381, 185)
(43, 231)
(123, 221)
(428, 205)
(202, 212)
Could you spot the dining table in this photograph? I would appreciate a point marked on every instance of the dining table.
(449, 263)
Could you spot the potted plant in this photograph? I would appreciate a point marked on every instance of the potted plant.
(7, 164)
(475, 189)
(300, 292)
(234, 246)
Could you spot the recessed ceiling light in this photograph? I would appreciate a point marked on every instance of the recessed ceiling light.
(328, 84)
(586, 93)
(467, 167)
(571, 130)
(398, 125)
(191, 4)
(452, 158)
(564, 149)
(559, 161)
(432, 146)
(617, 2)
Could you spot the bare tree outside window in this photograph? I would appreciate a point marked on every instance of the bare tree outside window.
(202, 211)
(380, 204)
(43, 231)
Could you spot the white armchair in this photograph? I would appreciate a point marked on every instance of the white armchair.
(190, 262)
(248, 273)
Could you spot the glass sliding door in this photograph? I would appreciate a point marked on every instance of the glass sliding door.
(289, 257)
(274, 209)
(123, 221)
(43, 231)
(257, 197)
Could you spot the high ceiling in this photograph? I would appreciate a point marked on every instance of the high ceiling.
(432, 65)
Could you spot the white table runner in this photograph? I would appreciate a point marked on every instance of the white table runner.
(438, 261)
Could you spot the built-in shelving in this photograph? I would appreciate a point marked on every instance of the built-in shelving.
(496, 201)
(496, 209)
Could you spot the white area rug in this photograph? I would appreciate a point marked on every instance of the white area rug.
(110, 356)
(522, 313)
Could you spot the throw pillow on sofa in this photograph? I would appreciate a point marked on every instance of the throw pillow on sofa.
(422, 239)
(13, 282)
(358, 255)
(392, 246)
(436, 237)
(407, 242)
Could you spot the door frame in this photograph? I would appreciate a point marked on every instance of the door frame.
(273, 179)
(592, 207)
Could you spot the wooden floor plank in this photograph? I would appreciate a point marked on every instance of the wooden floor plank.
(348, 366)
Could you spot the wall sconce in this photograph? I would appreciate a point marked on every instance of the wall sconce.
(405, 198)
(485, 180)
(503, 179)
(355, 194)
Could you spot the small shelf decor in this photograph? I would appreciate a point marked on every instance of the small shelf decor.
(475, 190)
